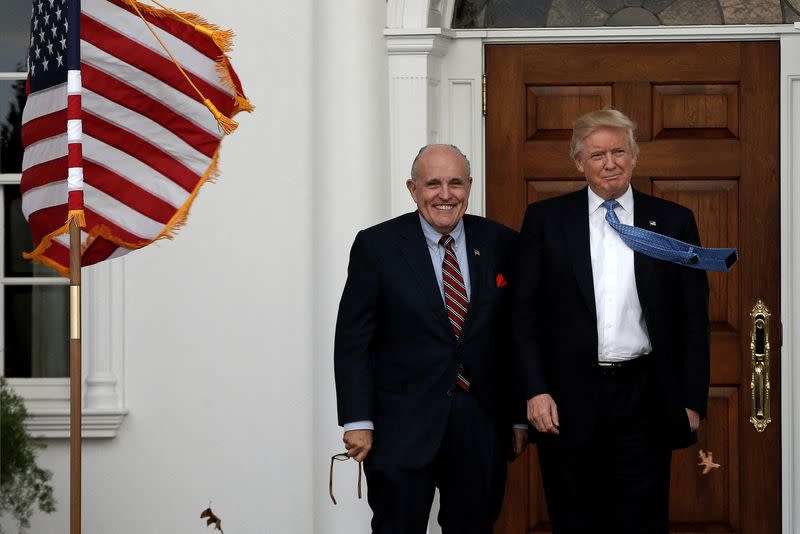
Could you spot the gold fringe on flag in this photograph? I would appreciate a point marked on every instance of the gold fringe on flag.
(223, 39)
(37, 254)
(172, 227)
(179, 219)
(228, 125)
(76, 214)
(240, 103)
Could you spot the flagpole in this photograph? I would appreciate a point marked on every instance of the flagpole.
(75, 377)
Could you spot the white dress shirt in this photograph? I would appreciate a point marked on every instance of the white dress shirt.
(621, 330)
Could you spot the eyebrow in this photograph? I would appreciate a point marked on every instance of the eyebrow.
(440, 179)
(612, 149)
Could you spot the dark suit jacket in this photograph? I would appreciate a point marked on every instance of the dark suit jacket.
(395, 354)
(555, 323)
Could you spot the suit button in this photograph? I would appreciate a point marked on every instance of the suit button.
(451, 392)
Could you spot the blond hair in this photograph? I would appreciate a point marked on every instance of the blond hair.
(589, 123)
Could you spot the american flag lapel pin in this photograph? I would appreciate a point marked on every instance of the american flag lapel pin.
(652, 222)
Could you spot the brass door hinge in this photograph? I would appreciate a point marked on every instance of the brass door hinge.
(483, 92)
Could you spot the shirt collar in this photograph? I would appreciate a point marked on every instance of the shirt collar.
(625, 201)
(432, 236)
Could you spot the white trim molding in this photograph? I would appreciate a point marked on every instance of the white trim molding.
(630, 34)
(103, 402)
(790, 281)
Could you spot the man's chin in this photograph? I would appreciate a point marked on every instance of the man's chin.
(613, 189)
(445, 227)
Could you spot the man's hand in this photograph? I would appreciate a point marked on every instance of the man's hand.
(358, 443)
(519, 440)
(543, 414)
(694, 419)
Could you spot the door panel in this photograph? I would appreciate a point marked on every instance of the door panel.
(707, 116)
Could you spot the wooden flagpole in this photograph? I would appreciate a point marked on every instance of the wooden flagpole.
(75, 376)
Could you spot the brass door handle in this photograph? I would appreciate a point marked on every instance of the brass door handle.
(759, 366)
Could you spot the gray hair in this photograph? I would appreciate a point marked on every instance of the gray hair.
(434, 145)
(586, 125)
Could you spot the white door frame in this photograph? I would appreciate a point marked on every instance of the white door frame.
(435, 95)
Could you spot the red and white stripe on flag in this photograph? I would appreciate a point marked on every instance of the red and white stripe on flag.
(127, 138)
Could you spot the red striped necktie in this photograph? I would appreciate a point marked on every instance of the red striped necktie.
(455, 293)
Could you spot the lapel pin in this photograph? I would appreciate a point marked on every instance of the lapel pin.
(652, 223)
(476, 252)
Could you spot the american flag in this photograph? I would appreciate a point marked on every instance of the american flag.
(114, 128)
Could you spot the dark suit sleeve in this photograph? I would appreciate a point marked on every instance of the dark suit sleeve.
(694, 288)
(355, 329)
(514, 411)
(525, 318)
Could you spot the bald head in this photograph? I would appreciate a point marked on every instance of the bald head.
(437, 148)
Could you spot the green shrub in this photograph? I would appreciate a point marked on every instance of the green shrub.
(23, 484)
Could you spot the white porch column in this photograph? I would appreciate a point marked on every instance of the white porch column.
(104, 372)
(350, 165)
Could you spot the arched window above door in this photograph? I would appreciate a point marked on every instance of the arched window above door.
(587, 13)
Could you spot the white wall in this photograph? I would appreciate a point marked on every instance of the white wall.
(350, 123)
(218, 329)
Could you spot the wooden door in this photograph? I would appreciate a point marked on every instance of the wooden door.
(708, 126)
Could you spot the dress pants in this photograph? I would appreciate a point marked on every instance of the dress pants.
(469, 470)
(618, 481)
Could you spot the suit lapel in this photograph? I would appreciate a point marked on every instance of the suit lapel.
(576, 234)
(642, 264)
(414, 249)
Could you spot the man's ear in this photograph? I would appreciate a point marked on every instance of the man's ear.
(412, 188)
(578, 163)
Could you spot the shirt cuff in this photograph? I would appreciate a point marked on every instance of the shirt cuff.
(360, 425)
(521, 426)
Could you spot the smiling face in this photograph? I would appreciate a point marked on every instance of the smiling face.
(441, 187)
(607, 161)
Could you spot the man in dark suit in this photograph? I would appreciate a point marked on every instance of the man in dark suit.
(612, 346)
(422, 357)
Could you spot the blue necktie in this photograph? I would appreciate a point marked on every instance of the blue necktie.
(667, 248)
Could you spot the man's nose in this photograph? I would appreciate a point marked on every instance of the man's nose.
(609, 161)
